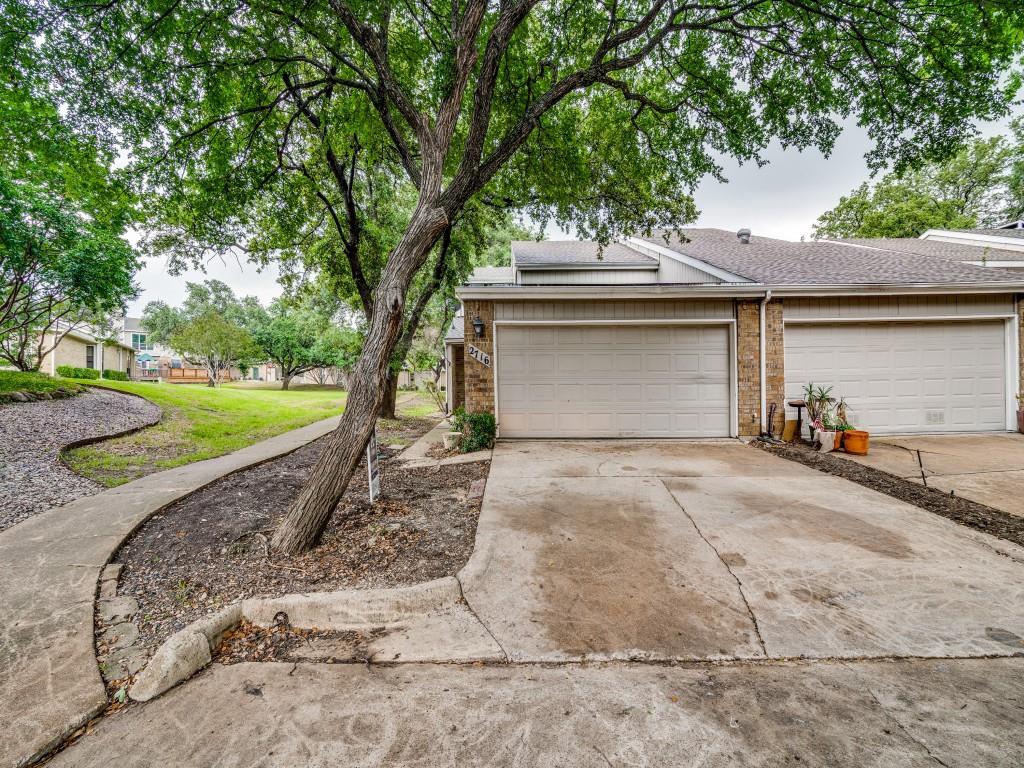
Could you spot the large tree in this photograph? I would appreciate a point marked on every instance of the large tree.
(598, 114)
(298, 339)
(981, 185)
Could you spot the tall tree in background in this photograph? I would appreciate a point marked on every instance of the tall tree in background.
(600, 115)
(982, 185)
(297, 340)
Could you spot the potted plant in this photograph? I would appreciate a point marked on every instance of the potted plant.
(819, 402)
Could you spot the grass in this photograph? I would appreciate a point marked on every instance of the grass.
(200, 423)
(36, 383)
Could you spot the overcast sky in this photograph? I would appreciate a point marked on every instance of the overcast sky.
(781, 199)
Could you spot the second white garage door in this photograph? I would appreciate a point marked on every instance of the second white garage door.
(905, 377)
(613, 381)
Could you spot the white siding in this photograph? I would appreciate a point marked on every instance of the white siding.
(651, 309)
(673, 271)
(587, 276)
(899, 306)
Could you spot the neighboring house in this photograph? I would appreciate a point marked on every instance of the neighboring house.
(150, 357)
(81, 348)
(1000, 248)
(702, 336)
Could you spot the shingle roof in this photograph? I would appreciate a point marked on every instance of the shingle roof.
(457, 330)
(781, 262)
(572, 252)
(938, 248)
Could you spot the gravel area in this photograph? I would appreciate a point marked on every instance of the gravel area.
(983, 518)
(32, 476)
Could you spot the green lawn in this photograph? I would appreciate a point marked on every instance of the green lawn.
(200, 423)
(16, 381)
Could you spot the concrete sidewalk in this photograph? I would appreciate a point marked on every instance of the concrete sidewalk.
(49, 569)
(911, 714)
(986, 468)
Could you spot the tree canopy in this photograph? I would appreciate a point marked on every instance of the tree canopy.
(981, 185)
(600, 115)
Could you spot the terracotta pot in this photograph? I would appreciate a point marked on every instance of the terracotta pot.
(856, 442)
(840, 437)
(1020, 420)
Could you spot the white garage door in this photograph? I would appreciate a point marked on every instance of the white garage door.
(613, 381)
(905, 377)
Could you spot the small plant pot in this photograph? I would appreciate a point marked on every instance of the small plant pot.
(840, 436)
(451, 440)
(856, 442)
(1020, 420)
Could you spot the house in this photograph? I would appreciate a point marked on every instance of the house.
(82, 348)
(150, 357)
(707, 334)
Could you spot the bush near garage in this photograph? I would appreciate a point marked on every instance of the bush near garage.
(478, 431)
(71, 372)
(112, 375)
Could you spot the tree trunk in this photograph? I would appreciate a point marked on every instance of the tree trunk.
(285, 381)
(307, 517)
(390, 401)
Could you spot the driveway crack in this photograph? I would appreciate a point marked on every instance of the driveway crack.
(739, 583)
(481, 621)
(899, 724)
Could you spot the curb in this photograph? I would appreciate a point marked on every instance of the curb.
(113, 435)
(189, 650)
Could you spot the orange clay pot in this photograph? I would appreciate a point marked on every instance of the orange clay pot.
(855, 441)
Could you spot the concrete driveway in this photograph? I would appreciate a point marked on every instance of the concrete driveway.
(986, 468)
(684, 550)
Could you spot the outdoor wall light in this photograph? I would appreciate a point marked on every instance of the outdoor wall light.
(478, 327)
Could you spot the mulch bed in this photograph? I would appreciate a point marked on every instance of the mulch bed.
(211, 548)
(963, 511)
(248, 642)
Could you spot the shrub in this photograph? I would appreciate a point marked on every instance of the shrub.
(71, 372)
(458, 419)
(478, 433)
(113, 375)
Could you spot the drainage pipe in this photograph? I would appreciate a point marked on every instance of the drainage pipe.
(764, 366)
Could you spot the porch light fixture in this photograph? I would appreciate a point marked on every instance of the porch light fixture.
(478, 327)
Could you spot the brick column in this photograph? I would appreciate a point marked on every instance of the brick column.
(479, 377)
(748, 360)
(1019, 301)
(775, 365)
(748, 367)
(458, 377)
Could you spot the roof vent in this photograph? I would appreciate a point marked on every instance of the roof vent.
(743, 235)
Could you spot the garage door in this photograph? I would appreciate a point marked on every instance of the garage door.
(613, 381)
(905, 377)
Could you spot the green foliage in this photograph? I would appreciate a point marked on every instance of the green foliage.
(215, 343)
(479, 430)
(981, 185)
(459, 419)
(299, 338)
(112, 375)
(73, 372)
(35, 382)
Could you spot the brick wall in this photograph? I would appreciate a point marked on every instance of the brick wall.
(458, 376)
(748, 367)
(748, 353)
(775, 365)
(479, 377)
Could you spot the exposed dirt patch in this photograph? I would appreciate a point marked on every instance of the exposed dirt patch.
(211, 549)
(962, 511)
(247, 642)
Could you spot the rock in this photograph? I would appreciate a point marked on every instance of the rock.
(112, 571)
(176, 660)
(18, 397)
(118, 609)
(130, 659)
(108, 589)
(451, 440)
(476, 488)
(120, 635)
(44, 396)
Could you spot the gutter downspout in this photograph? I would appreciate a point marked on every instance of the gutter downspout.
(764, 366)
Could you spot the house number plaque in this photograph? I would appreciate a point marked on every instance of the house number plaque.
(479, 355)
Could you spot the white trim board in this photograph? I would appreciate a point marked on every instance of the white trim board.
(892, 319)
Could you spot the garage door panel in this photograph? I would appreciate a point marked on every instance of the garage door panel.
(905, 377)
(608, 381)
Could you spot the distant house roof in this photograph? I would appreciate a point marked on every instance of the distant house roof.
(456, 331)
(937, 248)
(781, 262)
(492, 275)
(527, 253)
(1009, 231)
